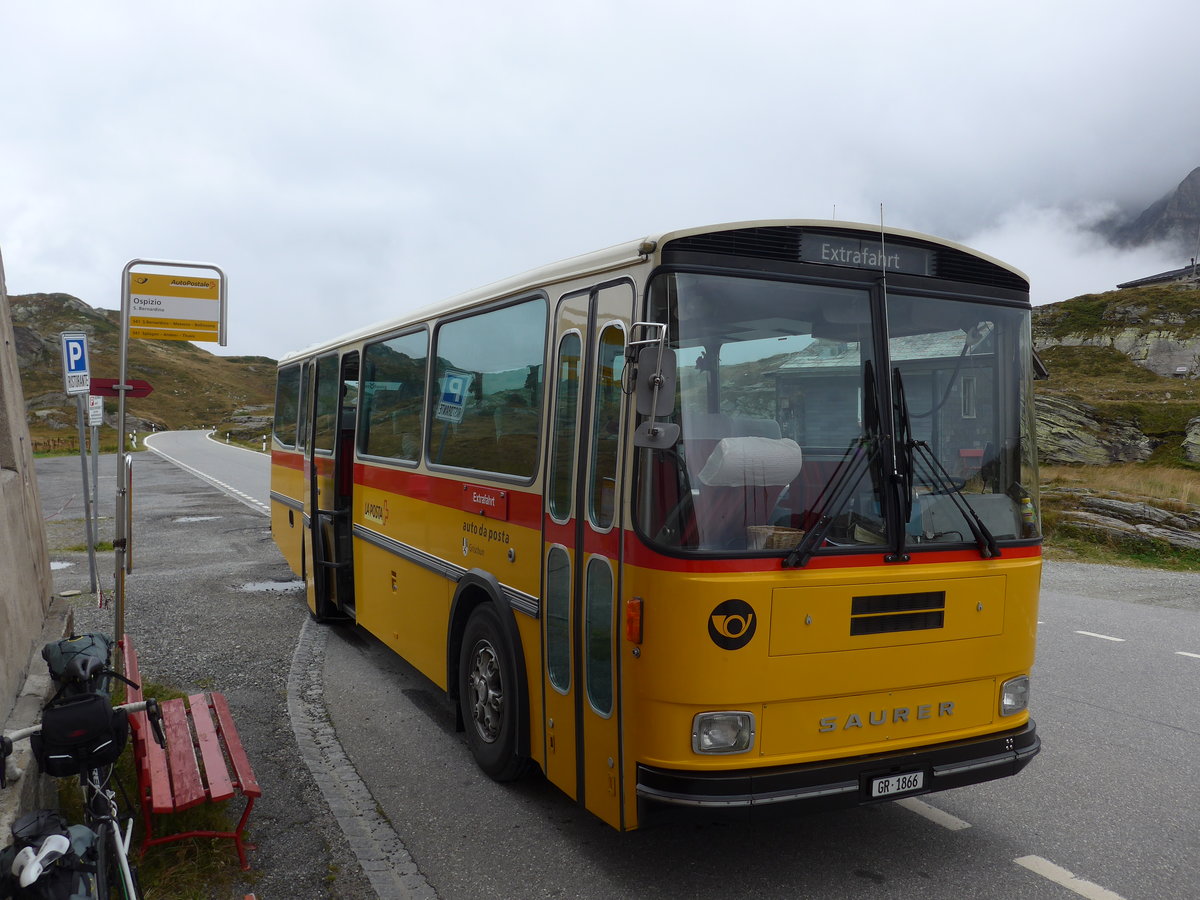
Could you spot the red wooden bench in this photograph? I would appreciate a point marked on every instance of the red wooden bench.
(204, 761)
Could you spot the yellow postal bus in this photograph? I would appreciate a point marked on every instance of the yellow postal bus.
(728, 517)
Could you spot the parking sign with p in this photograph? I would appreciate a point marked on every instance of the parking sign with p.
(454, 394)
(77, 378)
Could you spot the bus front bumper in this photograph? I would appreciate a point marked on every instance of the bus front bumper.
(845, 782)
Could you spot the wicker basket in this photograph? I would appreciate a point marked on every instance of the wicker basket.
(772, 537)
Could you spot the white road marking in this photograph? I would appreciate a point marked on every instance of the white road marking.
(1103, 637)
(256, 505)
(1069, 880)
(1185, 653)
(933, 814)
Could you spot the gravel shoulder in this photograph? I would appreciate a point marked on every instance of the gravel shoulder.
(1154, 587)
(211, 605)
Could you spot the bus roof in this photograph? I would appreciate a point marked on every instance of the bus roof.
(617, 256)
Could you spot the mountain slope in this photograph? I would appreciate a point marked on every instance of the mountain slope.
(1123, 375)
(1174, 218)
(192, 387)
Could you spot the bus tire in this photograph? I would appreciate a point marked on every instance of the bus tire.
(487, 692)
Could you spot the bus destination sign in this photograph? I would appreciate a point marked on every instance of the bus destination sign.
(831, 250)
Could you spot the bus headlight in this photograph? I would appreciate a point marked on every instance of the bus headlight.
(1014, 695)
(723, 732)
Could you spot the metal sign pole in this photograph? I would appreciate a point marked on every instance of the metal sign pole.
(120, 523)
(77, 381)
(96, 482)
(88, 499)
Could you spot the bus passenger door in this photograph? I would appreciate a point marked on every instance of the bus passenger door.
(582, 550)
(329, 465)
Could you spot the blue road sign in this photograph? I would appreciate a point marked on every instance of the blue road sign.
(454, 394)
(77, 378)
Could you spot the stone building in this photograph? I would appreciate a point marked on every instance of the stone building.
(1188, 276)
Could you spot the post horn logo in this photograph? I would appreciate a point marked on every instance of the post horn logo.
(731, 625)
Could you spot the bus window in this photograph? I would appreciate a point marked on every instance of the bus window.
(488, 394)
(329, 382)
(606, 423)
(304, 429)
(771, 378)
(287, 406)
(566, 401)
(599, 635)
(960, 366)
(393, 397)
(558, 618)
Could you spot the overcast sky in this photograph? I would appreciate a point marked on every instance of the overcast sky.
(346, 162)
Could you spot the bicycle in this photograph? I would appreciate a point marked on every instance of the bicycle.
(83, 734)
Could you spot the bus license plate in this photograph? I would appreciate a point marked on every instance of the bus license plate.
(897, 784)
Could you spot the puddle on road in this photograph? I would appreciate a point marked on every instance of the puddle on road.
(61, 565)
(271, 586)
(195, 518)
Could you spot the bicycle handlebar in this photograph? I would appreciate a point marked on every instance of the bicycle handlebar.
(150, 707)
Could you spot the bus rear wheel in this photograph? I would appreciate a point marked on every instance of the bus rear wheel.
(487, 692)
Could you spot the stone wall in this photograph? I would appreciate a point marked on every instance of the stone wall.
(26, 585)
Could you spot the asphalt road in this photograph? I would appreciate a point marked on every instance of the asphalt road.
(1110, 809)
(243, 474)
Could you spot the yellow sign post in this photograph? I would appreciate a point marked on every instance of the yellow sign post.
(184, 307)
(175, 308)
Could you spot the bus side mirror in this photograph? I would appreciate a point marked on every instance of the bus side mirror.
(656, 435)
(657, 373)
(655, 385)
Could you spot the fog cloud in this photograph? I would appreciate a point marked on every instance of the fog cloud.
(344, 163)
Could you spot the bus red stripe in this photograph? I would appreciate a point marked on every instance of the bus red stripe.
(524, 508)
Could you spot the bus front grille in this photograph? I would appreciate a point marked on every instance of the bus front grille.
(887, 613)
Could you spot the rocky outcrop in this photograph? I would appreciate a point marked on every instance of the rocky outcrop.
(1161, 350)
(1191, 441)
(1123, 522)
(1071, 433)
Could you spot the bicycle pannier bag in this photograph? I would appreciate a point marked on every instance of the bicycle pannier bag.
(58, 655)
(78, 733)
(70, 877)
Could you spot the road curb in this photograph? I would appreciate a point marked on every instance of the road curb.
(382, 855)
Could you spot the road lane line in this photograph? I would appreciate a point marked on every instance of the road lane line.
(1069, 880)
(1103, 637)
(933, 814)
(256, 505)
(1185, 653)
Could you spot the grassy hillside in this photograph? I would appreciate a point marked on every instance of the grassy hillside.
(1143, 309)
(1120, 389)
(193, 388)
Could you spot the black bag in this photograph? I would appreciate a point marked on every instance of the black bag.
(70, 877)
(60, 654)
(78, 733)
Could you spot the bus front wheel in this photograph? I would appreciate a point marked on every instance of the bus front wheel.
(487, 691)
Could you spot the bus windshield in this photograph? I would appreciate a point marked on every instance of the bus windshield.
(797, 411)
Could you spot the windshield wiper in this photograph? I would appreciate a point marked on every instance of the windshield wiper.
(902, 471)
(838, 490)
(851, 468)
(942, 480)
(984, 539)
